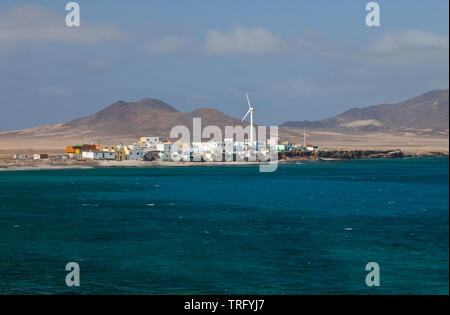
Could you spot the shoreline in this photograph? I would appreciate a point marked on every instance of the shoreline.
(284, 158)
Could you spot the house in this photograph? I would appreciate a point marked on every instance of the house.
(164, 150)
(137, 155)
(107, 155)
(74, 155)
(207, 151)
(208, 156)
(20, 156)
(178, 156)
(310, 148)
(228, 149)
(122, 154)
(240, 147)
(160, 147)
(167, 150)
(98, 155)
(186, 155)
(180, 151)
(87, 155)
(77, 149)
(42, 156)
(108, 148)
(152, 140)
(90, 147)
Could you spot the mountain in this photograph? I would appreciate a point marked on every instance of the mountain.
(127, 118)
(125, 122)
(120, 122)
(425, 113)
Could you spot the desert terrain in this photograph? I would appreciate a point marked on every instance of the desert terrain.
(417, 125)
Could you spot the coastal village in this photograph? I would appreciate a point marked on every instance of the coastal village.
(153, 148)
(351, 144)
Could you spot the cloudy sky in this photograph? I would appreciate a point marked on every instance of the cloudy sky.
(297, 59)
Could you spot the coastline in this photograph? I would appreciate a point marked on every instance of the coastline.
(86, 164)
(9, 164)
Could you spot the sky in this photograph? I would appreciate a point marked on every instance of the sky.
(298, 60)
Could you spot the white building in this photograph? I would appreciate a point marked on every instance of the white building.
(150, 140)
(106, 155)
(20, 156)
(281, 147)
(167, 150)
(98, 155)
(137, 155)
(160, 147)
(181, 155)
(208, 151)
(180, 151)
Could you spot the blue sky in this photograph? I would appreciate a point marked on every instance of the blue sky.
(297, 59)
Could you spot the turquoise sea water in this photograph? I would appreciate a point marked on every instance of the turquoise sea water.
(309, 228)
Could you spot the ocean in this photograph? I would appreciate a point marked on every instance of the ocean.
(309, 228)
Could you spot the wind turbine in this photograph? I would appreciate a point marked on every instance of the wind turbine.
(250, 111)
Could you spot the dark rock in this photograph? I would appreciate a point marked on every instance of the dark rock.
(151, 156)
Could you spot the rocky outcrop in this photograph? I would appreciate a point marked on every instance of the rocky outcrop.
(342, 154)
(431, 154)
(151, 156)
(354, 154)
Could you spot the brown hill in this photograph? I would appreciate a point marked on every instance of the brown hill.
(425, 113)
(120, 122)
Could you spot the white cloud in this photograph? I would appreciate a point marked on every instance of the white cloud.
(33, 25)
(242, 40)
(167, 45)
(409, 47)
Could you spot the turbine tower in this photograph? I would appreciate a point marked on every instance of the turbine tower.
(304, 137)
(250, 111)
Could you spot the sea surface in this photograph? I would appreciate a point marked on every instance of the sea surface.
(309, 228)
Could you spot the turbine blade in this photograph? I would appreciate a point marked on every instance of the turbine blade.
(248, 100)
(246, 115)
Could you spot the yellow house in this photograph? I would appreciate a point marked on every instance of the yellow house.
(122, 155)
